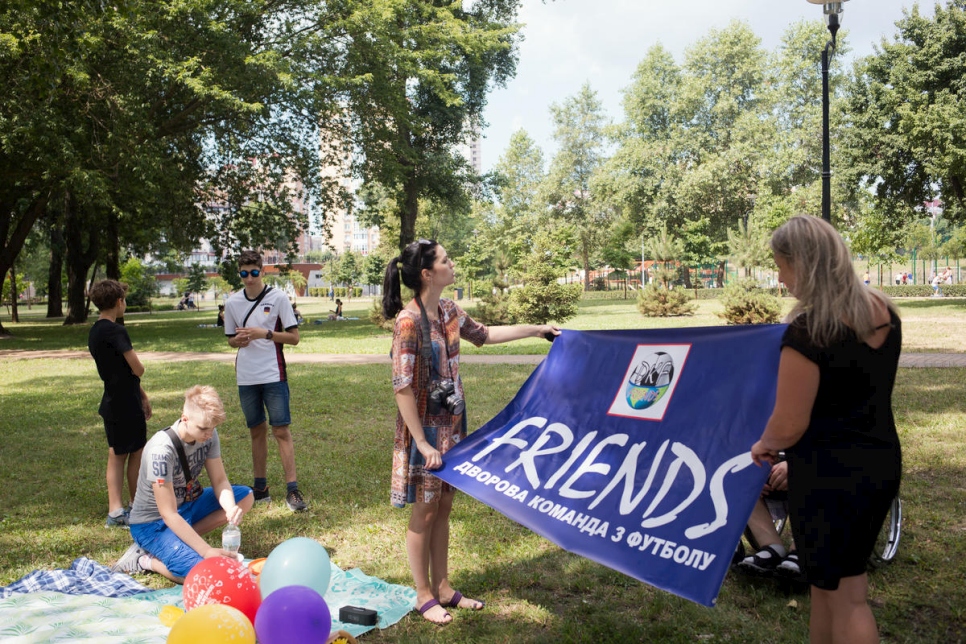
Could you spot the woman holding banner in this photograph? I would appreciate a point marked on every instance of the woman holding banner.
(431, 419)
(833, 418)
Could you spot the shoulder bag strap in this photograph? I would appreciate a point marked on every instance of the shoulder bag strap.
(255, 305)
(173, 435)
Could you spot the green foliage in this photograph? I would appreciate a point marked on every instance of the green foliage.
(746, 302)
(579, 124)
(414, 77)
(542, 299)
(377, 318)
(373, 268)
(494, 307)
(348, 271)
(5, 295)
(907, 136)
(141, 286)
(197, 280)
(655, 300)
(659, 298)
(748, 247)
(180, 285)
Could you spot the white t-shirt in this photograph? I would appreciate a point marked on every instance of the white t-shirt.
(262, 361)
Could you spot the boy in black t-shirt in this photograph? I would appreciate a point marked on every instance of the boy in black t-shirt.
(124, 406)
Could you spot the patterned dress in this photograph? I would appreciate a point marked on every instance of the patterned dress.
(410, 481)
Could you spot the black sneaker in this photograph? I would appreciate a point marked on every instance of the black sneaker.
(295, 501)
(262, 496)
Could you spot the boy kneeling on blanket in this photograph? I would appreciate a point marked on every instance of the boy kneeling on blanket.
(171, 511)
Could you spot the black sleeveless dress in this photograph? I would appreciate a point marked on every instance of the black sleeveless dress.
(845, 470)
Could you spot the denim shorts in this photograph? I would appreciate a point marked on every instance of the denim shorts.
(164, 545)
(256, 398)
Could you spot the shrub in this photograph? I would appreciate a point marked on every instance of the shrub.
(747, 303)
(493, 308)
(541, 299)
(377, 318)
(658, 299)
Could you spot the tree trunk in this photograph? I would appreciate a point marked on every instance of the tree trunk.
(14, 231)
(79, 260)
(55, 287)
(686, 276)
(719, 278)
(408, 213)
(112, 249)
(14, 313)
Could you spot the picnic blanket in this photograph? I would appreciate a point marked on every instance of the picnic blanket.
(56, 605)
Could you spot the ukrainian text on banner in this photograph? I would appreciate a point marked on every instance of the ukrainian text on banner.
(631, 448)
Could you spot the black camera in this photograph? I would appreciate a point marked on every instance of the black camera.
(445, 396)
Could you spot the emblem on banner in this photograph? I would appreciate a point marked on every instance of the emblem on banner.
(649, 381)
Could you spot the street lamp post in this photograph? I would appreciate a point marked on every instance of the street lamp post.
(833, 18)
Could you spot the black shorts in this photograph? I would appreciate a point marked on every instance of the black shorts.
(127, 436)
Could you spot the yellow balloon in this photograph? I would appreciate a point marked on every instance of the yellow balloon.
(170, 614)
(212, 624)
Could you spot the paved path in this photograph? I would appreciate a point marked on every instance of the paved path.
(910, 360)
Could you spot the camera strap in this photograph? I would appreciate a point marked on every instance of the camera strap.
(426, 346)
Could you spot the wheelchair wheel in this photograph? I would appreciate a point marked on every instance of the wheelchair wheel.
(887, 544)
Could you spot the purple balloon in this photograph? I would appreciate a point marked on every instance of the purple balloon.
(293, 614)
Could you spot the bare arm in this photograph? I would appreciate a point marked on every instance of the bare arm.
(798, 379)
(247, 334)
(168, 508)
(222, 487)
(500, 334)
(406, 401)
(146, 404)
(134, 362)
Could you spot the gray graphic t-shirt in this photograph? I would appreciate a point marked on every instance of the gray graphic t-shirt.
(160, 463)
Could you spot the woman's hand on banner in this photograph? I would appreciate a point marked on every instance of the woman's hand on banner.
(434, 460)
(760, 452)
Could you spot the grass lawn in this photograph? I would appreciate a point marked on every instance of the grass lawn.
(929, 325)
(53, 500)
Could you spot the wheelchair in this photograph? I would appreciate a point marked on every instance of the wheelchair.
(886, 545)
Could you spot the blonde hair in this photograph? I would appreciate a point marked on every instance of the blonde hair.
(204, 400)
(826, 285)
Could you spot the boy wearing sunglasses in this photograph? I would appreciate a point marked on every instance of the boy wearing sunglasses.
(258, 321)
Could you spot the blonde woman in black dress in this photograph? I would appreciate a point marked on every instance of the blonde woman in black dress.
(833, 418)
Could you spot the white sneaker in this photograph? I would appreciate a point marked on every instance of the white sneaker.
(129, 560)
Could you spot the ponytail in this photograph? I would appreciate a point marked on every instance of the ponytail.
(406, 268)
(391, 298)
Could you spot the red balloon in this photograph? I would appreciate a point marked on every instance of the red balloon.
(220, 580)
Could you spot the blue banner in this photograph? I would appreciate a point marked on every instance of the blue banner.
(631, 448)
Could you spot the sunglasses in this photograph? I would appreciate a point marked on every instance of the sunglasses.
(255, 272)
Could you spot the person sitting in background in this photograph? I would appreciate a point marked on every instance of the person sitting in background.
(772, 556)
(221, 315)
(337, 313)
(298, 314)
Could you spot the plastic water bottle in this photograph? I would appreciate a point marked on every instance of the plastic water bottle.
(231, 538)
